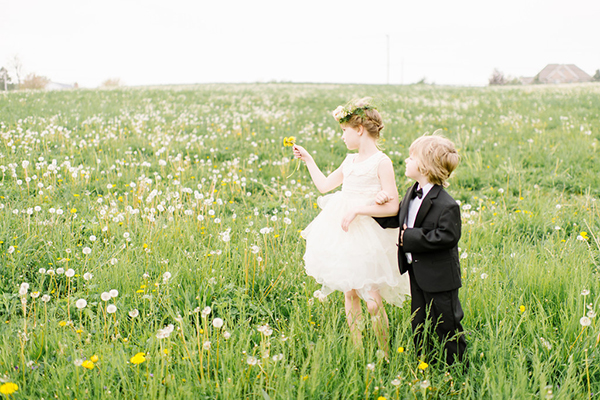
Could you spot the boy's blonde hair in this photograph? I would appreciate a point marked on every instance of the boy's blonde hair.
(436, 157)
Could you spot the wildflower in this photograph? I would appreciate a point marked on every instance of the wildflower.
(319, 295)
(265, 330)
(87, 364)
(94, 358)
(45, 298)
(165, 332)
(585, 321)
(23, 288)
(206, 345)
(395, 382)
(62, 323)
(70, 273)
(590, 314)
(425, 384)
(105, 296)
(400, 349)
(226, 335)
(8, 388)
(113, 293)
(206, 312)
(166, 277)
(484, 275)
(60, 271)
(371, 367)
(78, 362)
(111, 309)
(522, 308)
(87, 276)
(585, 292)
(546, 343)
(217, 323)
(81, 303)
(138, 358)
(251, 360)
(86, 250)
(134, 313)
(423, 366)
(35, 295)
(289, 141)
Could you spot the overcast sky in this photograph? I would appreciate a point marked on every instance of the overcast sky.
(147, 42)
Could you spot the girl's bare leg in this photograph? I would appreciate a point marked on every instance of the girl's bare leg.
(354, 317)
(380, 321)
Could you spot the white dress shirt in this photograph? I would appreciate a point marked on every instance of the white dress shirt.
(413, 210)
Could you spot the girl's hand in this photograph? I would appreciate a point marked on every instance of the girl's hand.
(348, 218)
(301, 153)
(382, 198)
(404, 227)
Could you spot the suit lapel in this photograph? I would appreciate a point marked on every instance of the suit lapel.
(404, 206)
(426, 204)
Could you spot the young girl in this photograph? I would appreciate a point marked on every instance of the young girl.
(346, 249)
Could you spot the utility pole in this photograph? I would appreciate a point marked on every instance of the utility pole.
(388, 58)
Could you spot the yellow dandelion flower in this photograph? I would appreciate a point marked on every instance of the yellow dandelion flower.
(62, 323)
(138, 358)
(423, 366)
(289, 141)
(94, 358)
(522, 308)
(73, 210)
(9, 388)
(87, 364)
(400, 349)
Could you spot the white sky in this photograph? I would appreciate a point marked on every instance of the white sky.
(457, 42)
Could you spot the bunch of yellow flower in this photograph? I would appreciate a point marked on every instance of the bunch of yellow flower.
(289, 141)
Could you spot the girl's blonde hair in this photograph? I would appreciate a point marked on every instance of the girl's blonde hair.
(364, 114)
(436, 157)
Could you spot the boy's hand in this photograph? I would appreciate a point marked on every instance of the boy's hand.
(382, 198)
(404, 227)
(348, 218)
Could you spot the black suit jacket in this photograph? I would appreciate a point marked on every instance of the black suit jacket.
(433, 241)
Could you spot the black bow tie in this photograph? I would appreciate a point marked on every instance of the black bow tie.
(417, 193)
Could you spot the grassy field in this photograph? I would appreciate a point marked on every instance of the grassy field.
(134, 222)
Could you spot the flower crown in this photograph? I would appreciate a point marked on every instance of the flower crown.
(343, 114)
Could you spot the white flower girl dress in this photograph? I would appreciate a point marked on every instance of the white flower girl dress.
(366, 257)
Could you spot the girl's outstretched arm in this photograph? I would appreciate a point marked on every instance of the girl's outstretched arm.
(388, 184)
(323, 183)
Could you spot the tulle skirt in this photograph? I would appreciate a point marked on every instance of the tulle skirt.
(364, 259)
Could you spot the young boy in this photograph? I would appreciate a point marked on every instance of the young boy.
(431, 226)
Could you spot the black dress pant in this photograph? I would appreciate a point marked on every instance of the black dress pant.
(445, 313)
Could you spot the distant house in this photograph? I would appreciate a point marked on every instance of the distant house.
(59, 86)
(560, 73)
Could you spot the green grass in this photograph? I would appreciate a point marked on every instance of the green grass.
(185, 180)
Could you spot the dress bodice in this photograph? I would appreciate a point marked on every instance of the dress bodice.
(360, 178)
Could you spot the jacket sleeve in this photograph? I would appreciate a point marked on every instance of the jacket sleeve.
(445, 235)
(389, 222)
